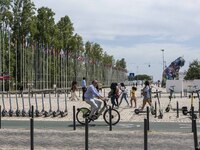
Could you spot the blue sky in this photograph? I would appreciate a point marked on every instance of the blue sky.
(136, 30)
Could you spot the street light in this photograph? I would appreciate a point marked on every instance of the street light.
(163, 59)
(162, 83)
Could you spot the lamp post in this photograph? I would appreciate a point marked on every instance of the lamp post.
(162, 83)
(163, 59)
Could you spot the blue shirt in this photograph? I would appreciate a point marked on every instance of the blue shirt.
(91, 92)
(83, 83)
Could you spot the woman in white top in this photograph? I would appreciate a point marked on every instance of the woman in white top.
(124, 93)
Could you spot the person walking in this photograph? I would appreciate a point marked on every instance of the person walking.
(123, 93)
(91, 95)
(84, 88)
(133, 96)
(114, 95)
(146, 92)
(74, 88)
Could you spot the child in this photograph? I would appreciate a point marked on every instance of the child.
(133, 96)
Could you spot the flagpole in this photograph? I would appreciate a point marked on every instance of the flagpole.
(9, 61)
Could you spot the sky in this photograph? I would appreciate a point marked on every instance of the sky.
(136, 30)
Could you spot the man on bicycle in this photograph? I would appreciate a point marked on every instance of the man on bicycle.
(90, 96)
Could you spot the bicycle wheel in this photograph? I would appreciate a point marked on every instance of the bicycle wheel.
(81, 114)
(114, 115)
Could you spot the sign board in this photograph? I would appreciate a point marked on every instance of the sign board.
(131, 74)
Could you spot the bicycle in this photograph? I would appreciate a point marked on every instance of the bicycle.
(83, 113)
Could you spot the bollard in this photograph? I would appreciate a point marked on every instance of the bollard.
(181, 94)
(145, 134)
(32, 112)
(0, 116)
(199, 109)
(177, 110)
(32, 133)
(110, 118)
(148, 118)
(192, 111)
(155, 109)
(195, 133)
(74, 118)
(86, 133)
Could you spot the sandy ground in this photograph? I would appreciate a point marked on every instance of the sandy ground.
(72, 140)
(98, 140)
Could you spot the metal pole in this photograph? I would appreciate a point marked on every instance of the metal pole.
(162, 84)
(163, 59)
(9, 60)
(32, 113)
(74, 118)
(86, 133)
(199, 108)
(192, 113)
(177, 109)
(110, 118)
(0, 116)
(155, 109)
(32, 133)
(148, 118)
(32, 128)
(145, 134)
(195, 134)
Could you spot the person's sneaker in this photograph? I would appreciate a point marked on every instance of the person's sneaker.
(116, 107)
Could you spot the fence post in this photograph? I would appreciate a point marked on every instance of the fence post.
(192, 111)
(32, 112)
(32, 129)
(148, 118)
(195, 133)
(155, 109)
(0, 116)
(86, 133)
(145, 134)
(74, 118)
(199, 109)
(110, 118)
(177, 110)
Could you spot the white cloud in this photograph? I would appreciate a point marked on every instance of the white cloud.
(136, 29)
